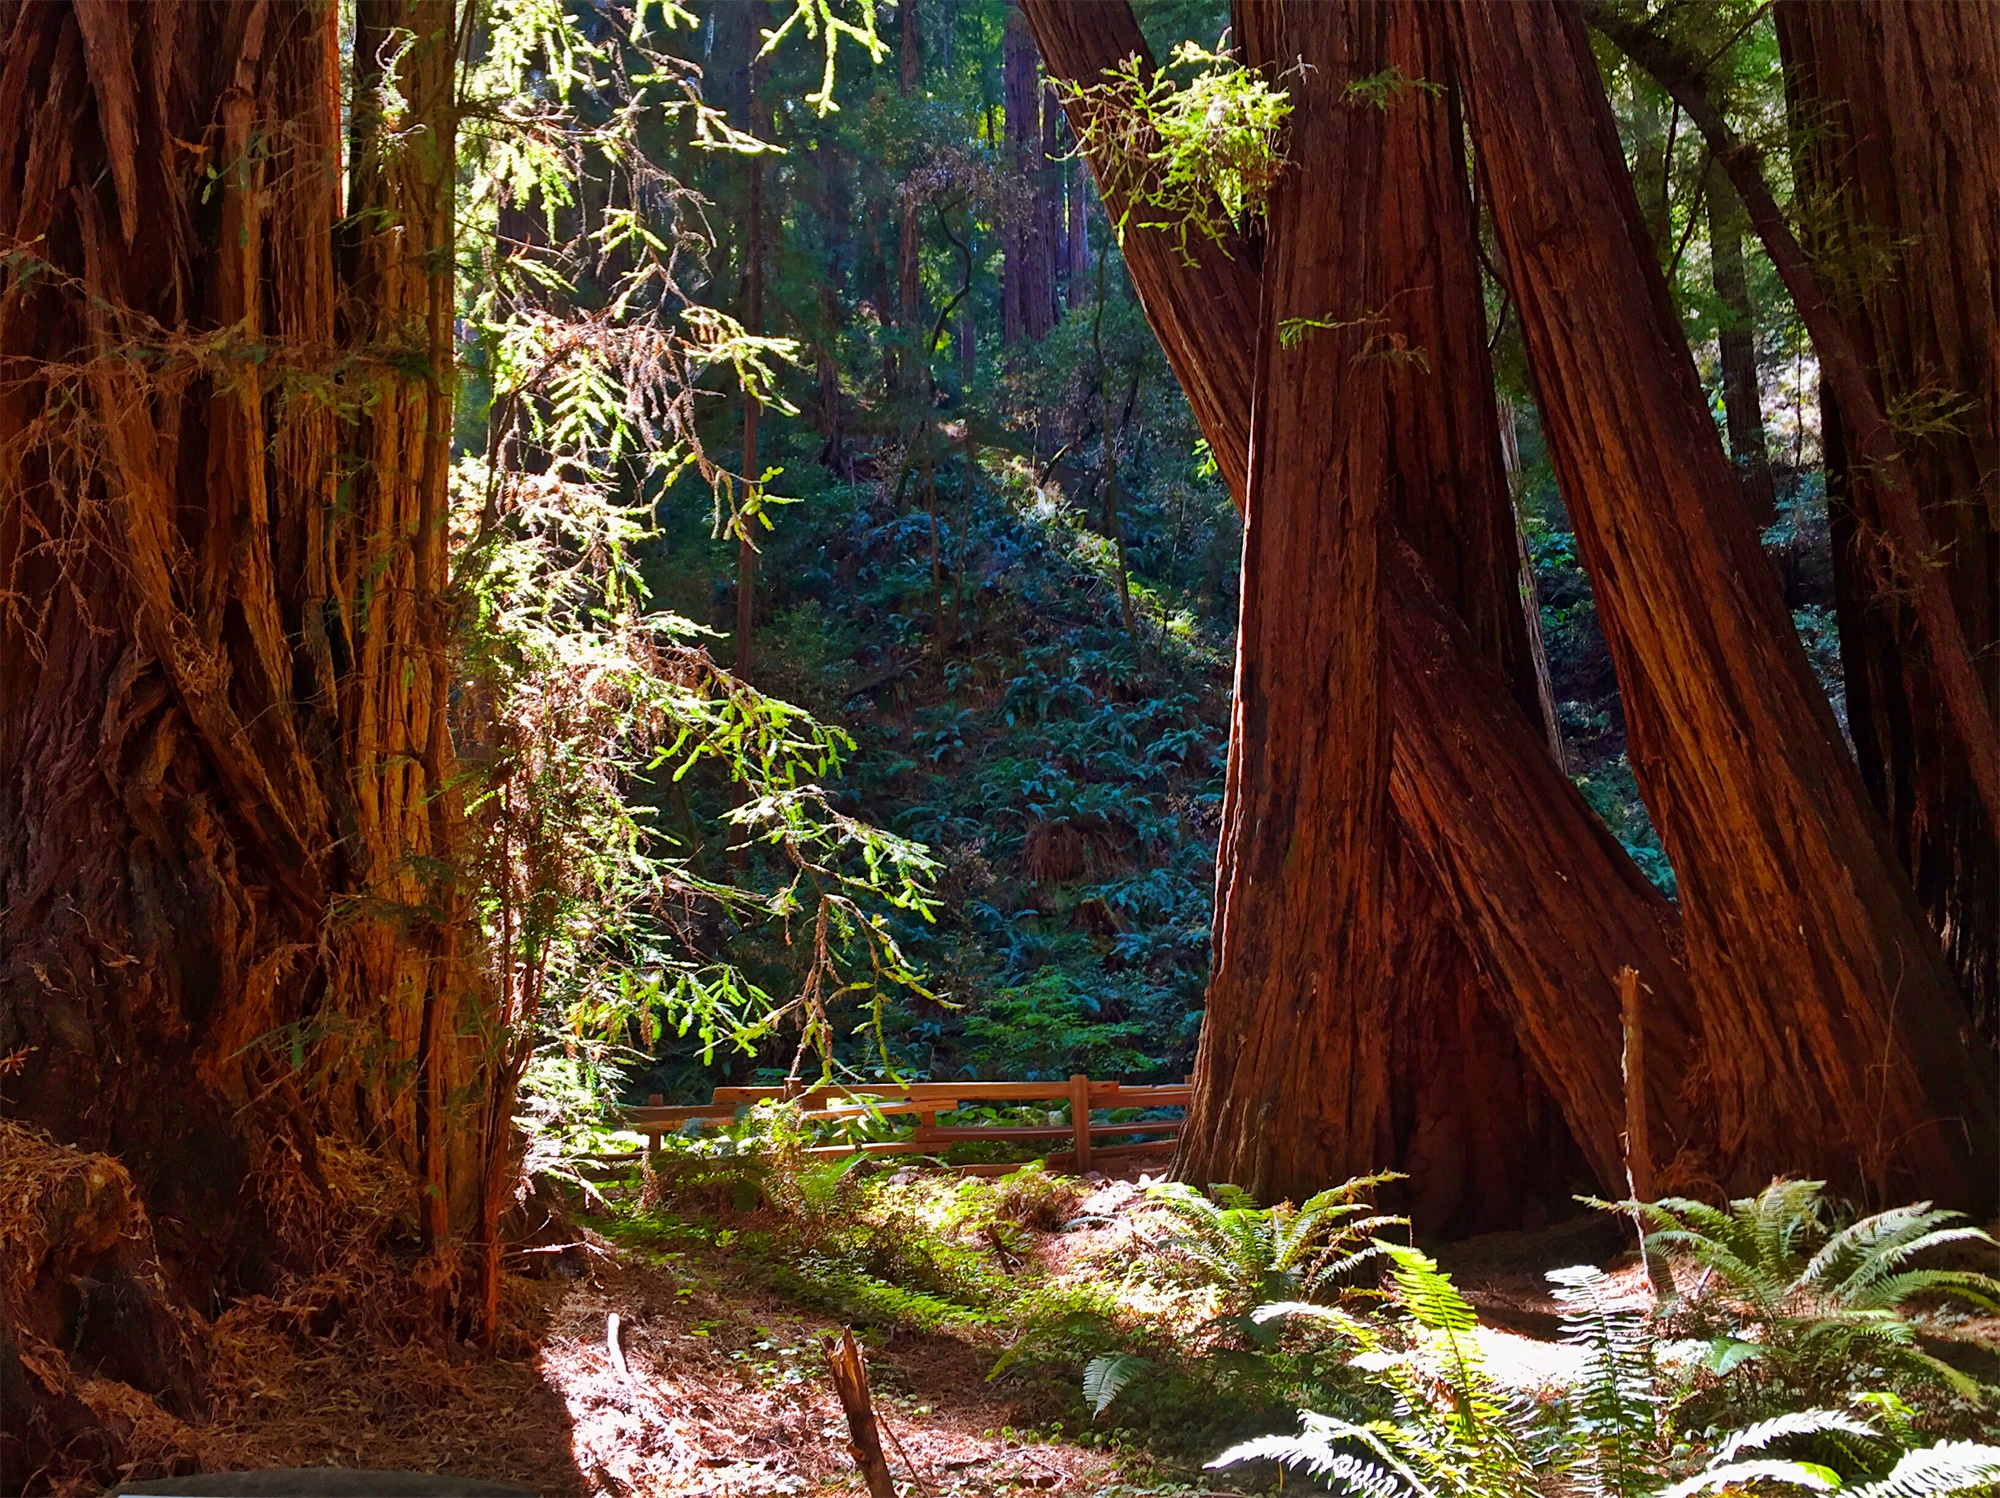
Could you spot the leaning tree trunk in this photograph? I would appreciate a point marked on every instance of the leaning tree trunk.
(1292, 1074)
(1552, 916)
(229, 920)
(1894, 113)
(1835, 1039)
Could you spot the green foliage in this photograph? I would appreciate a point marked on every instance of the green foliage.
(1192, 149)
(1614, 1411)
(1035, 1198)
(1106, 1376)
(1257, 1255)
(1450, 1433)
(1808, 1305)
(587, 356)
(1949, 1467)
(1451, 1436)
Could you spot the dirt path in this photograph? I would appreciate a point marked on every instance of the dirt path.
(724, 1394)
(724, 1390)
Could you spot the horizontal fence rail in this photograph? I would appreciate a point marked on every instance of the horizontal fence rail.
(926, 1100)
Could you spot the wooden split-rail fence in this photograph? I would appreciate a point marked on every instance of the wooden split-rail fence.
(926, 1100)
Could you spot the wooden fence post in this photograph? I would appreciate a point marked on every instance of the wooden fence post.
(1079, 1119)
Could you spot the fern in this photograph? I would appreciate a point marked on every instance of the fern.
(1257, 1255)
(1822, 1302)
(1108, 1374)
(1316, 1449)
(1615, 1411)
(1450, 1434)
(1950, 1467)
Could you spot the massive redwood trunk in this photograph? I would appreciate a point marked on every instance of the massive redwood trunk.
(1835, 1041)
(229, 915)
(1894, 110)
(1292, 1076)
(1547, 902)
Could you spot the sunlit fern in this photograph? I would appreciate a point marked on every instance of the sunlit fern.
(1257, 1255)
(1451, 1431)
(1746, 1462)
(1814, 1298)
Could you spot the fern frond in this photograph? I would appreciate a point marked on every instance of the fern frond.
(1808, 1475)
(1348, 1325)
(1980, 1289)
(1616, 1408)
(1867, 1252)
(1780, 1216)
(1788, 1426)
(1106, 1377)
(1314, 1448)
(1346, 1472)
(1935, 1471)
(1427, 1292)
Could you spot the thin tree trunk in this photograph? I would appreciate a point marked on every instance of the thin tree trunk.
(1020, 100)
(1077, 241)
(1051, 260)
(1893, 112)
(909, 284)
(1833, 1030)
(1742, 398)
(1531, 601)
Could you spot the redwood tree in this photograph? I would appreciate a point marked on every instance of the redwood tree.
(1544, 899)
(1291, 1079)
(227, 808)
(1836, 1043)
(1893, 111)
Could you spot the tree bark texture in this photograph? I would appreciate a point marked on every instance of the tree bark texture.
(1736, 345)
(1076, 238)
(909, 280)
(1836, 1044)
(1292, 1077)
(1473, 1128)
(1905, 548)
(1894, 112)
(227, 910)
(1551, 917)
(1028, 251)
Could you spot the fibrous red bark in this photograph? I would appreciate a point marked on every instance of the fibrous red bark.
(1835, 1040)
(227, 817)
(1550, 918)
(1292, 1076)
(1906, 551)
(1893, 113)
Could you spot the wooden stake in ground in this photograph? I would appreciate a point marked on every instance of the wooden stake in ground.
(1638, 1146)
(850, 1382)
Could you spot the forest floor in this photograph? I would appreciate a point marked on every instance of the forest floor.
(723, 1389)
